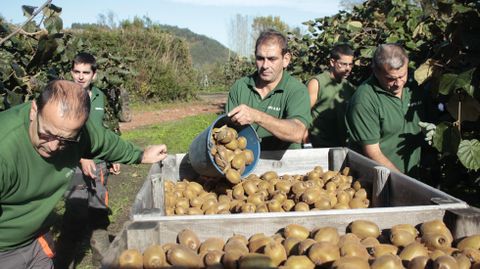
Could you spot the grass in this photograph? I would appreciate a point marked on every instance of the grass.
(177, 135)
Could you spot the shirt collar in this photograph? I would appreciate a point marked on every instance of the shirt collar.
(280, 86)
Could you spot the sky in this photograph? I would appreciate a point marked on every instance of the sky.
(207, 17)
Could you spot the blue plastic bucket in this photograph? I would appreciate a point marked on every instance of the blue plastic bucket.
(199, 152)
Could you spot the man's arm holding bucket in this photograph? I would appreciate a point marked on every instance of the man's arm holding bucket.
(291, 130)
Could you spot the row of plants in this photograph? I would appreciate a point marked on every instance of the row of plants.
(145, 63)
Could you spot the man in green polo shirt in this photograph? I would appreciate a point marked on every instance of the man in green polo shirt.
(86, 205)
(42, 142)
(276, 104)
(329, 94)
(383, 114)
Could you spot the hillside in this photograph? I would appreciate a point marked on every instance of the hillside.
(203, 49)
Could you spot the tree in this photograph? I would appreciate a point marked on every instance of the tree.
(261, 24)
(239, 35)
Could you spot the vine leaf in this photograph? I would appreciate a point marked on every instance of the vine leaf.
(469, 154)
(446, 138)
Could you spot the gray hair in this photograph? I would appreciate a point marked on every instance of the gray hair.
(72, 100)
(392, 55)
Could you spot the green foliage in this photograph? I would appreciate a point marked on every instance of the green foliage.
(177, 135)
(236, 68)
(162, 63)
(370, 24)
(204, 50)
(30, 59)
(443, 43)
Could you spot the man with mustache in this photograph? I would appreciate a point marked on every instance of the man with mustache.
(276, 104)
(383, 114)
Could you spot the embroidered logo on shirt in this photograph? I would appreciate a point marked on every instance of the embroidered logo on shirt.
(418, 103)
(273, 108)
(69, 173)
(98, 108)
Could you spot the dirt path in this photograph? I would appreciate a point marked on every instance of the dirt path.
(208, 103)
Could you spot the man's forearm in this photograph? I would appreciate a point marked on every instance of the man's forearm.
(291, 130)
(375, 153)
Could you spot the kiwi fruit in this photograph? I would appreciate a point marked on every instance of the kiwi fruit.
(291, 245)
(326, 234)
(413, 250)
(383, 249)
(233, 176)
(230, 258)
(370, 242)
(301, 206)
(445, 262)
(323, 252)
(350, 263)
(401, 238)
(388, 261)
(213, 258)
(305, 245)
(130, 259)
(188, 238)
(436, 226)
(364, 228)
(276, 252)
(436, 241)
(405, 227)
(462, 261)
(420, 262)
(354, 249)
(181, 255)
(255, 261)
(298, 262)
(472, 242)
(211, 243)
(154, 257)
(297, 231)
(258, 245)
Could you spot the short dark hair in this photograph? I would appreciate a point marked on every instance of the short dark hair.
(271, 35)
(341, 49)
(390, 54)
(73, 101)
(85, 58)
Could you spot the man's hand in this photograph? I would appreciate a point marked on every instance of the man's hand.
(115, 169)
(243, 115)
(153, 154)
(88, 167)
(428, 129)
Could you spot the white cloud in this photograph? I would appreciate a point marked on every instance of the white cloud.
(304, 5)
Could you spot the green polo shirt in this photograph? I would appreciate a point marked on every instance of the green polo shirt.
(328, 125)
(377, 116)
(97, 109)
(31, 186)
(97, 106)
(289, 100)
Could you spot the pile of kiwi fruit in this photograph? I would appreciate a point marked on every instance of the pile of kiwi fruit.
(363, 245)
(269, 192)
(230, 153)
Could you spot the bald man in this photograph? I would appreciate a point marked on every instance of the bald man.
(41, 144)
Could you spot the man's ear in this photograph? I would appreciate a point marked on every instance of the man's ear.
(33, 110)
(94, 75)
(286, 59)
(332, 62)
